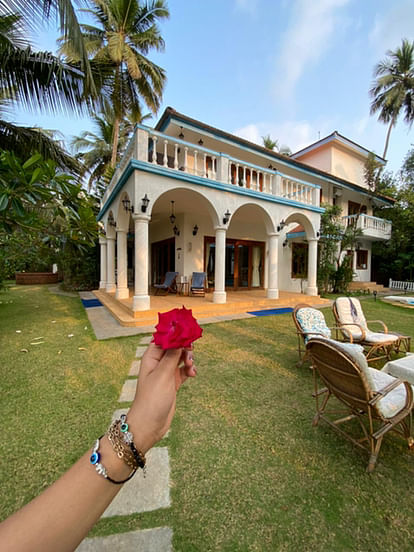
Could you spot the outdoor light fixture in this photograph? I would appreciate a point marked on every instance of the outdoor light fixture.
(285, 243)
(111, 221)
(281, 225)
(127, 205)
(375, 294)
(181, 135)
(226, 217)
(195, 230)
(176, 231)
(144, 203)
(172, 216)
(200, 142)
(318, 234)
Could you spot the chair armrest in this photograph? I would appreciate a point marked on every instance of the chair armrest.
(363, 336)
(379, 322)
(385, 390)
(348, 333)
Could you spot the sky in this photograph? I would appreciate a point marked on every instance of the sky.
(295, 69)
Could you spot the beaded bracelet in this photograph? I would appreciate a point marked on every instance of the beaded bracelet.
(100, 468)
(122, 442)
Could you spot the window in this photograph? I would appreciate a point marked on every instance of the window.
(299, 260)
(362, 259)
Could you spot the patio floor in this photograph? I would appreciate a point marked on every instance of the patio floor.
(239, 303)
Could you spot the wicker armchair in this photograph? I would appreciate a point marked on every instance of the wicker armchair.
(349, 314)
(378, 401)
(310, 322)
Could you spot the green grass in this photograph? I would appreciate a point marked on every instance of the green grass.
(248, 470)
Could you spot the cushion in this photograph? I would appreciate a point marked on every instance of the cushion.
(394, 401)
(312, 320)
(351, 315)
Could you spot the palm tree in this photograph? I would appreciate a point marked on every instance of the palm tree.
(393, 90)
(36, 80)
(269, 143)
(127, 30)
(94, 149)
(35, 12)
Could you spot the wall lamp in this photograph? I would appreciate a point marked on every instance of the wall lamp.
(181, 135)
(144, 203)
(282, 224)
(176, 231)
(195, 230)
(172, 216)
(285, 243)
(200, 142)
(226, 217)
(111, 221)
(127, 205)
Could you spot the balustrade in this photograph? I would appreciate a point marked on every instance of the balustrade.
(172, 153)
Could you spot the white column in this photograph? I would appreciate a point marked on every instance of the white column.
(219, 295)
(312, 288)
(272, 281)
(102, 282)
(110, 272)
(141, 300)
(121, 265)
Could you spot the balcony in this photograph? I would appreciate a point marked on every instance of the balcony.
(173, 154)
(373, 228)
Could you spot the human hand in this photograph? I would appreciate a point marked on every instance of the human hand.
(161, 375)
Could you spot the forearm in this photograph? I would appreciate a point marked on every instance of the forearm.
(61, 517)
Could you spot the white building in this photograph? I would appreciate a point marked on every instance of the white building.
(243, 214)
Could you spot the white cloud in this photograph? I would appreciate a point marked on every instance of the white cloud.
(391, 27)
(294, 134)
(305, 41)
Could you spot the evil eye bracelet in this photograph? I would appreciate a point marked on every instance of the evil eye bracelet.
(100, 468)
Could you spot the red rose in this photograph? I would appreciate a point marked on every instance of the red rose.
(176, 328)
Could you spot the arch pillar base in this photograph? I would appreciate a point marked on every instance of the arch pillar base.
(311, 291)
(141, 303)
(219, 297)
(122, 293)
(272, 294)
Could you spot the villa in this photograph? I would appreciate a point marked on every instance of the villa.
(187, 197)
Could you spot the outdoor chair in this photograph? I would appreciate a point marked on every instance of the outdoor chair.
(198, 282)
(349, 314)
(310, 323)
(169, 284)
(378, 401)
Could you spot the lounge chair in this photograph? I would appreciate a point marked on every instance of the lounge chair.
(198, 282)
(168, 285)
(366, 394)
(349, 314)
(310, 322)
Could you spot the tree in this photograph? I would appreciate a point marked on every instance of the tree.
(37, 80)
(395, 257)
(393, 90)
(334, 267)
(271, 144)
(126, 32)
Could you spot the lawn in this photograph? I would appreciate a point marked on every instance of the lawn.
(249, 472)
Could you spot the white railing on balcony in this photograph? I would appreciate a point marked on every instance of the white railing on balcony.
(172, 153)
(371, 226)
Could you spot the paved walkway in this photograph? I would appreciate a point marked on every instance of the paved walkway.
(140, 494)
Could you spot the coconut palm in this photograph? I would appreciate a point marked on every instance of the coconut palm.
(393, 90)
(35, 12)
(127, 30)
(94, 149)
(36, 80)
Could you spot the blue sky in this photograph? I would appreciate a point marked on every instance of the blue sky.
(294, 69)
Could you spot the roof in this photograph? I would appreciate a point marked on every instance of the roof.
(171, 113)
(336, 137)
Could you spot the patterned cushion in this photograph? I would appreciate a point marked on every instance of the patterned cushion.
(344, 309)
(311, 320)
(373, 337)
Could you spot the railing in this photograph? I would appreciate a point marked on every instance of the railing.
(402, 286)
(371, 226)
(172, 153)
